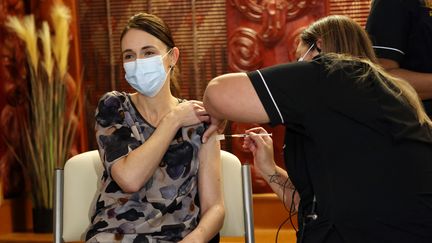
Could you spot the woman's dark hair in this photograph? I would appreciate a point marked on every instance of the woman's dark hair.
(155, 26)
(151, 24)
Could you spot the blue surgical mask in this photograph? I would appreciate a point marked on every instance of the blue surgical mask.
(303, 57)
(146, 75)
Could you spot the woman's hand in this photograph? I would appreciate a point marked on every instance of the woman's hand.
(262, 150)
(189, 113)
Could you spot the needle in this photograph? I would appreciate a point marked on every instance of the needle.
(223, 136)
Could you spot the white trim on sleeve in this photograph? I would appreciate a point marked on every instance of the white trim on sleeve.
(271, 96)
(388, 48)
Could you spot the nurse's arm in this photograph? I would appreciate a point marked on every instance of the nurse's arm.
(232, 97)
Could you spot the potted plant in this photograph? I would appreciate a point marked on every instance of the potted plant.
(50, 123)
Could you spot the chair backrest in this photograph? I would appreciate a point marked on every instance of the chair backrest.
(82, 175)
(233, 195)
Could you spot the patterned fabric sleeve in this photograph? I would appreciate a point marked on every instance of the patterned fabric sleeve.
(113, 134)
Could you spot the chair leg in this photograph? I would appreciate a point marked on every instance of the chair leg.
(247, 199)
(58, 206)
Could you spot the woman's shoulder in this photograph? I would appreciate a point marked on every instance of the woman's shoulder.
(110, 108)
(114, 95)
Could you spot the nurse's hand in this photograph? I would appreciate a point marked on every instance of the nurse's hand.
(262, 150)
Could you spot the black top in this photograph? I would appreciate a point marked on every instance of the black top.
(401, 30)
(356, 148)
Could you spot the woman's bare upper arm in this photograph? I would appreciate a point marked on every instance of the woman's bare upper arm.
(210, 173)
(233, 97)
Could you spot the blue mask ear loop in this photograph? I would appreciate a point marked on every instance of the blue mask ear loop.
(169, 66)
(167, 53)
(310, 48)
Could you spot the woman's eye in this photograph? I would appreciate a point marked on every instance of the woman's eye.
(128, 57)
(148, 53)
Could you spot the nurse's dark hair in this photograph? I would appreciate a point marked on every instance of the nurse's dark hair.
(155, 26)
(340, 34)
(344, 40)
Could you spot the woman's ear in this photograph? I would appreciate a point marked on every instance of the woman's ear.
(319, 44)
(175, 53)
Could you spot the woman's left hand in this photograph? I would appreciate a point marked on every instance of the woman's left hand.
(189, 113)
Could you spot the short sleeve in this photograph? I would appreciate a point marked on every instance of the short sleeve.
(287, 90)
(113, 134)
(388, 26)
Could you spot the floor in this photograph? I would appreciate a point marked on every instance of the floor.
(261, 235)
(265, 236)
(269, 213)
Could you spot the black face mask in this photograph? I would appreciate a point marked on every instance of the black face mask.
(302, 57)
(310, 48)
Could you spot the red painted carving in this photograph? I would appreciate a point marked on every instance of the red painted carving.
(261, 34)
(293, 40)
(249, 8)
(244, 50)
(297, 8)
(273, 20)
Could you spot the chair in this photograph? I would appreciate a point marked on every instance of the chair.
(81, 179)
(237, 192)
(76, 192)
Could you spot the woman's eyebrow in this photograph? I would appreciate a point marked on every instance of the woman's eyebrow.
(127, 50)
(147, 47)
(142, 48)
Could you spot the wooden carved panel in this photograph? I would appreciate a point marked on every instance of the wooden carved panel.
(262, 33)
(12, 100)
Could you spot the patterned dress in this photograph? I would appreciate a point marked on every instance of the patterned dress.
(166, 208)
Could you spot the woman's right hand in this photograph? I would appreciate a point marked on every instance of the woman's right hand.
(190, 113)
(262, 150)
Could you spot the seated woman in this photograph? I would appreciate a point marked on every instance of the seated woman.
(160, 183)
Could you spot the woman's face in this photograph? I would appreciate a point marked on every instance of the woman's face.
(138, 44)
(305, 52)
